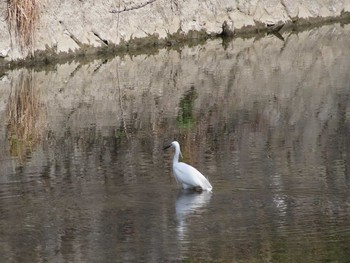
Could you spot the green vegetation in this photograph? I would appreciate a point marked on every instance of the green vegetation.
(185, 117)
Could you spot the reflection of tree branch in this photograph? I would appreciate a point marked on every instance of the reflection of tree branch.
(118, 81)
(132, 7)
(121, 103)
(75, 71)
(100, 65)
(26, 123)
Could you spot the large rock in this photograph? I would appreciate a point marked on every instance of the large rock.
(66, 26)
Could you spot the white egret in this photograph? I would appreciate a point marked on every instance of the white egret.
(187, 175)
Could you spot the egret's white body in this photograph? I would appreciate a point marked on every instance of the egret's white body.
(187, 175)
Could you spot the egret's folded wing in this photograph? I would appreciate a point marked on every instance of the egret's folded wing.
(191, 176)
(187, 174)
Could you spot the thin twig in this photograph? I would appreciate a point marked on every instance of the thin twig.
(132, 7)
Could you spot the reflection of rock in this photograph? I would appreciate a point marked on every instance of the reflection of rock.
(274, 27)
(235, 92)
(187, 203)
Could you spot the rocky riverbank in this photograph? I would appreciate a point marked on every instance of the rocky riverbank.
(61, 29)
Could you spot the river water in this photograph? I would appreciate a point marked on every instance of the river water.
(84, 178)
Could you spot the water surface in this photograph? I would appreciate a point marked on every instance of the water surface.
(83, 176)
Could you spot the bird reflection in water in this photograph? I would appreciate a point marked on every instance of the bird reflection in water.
(189, 202)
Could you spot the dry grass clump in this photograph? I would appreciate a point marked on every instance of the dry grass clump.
(22, 16)
(25, 119)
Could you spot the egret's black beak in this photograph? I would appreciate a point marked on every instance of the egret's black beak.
(167, 146)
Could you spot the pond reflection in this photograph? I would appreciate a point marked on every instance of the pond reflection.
(185, 117)
(189, 202)
(25, 116)
(267, 121)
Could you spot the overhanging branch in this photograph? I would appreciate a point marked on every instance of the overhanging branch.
(125, 9)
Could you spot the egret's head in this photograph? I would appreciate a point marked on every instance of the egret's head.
(174, 144)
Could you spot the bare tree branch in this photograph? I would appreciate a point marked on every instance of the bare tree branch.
(125, 9)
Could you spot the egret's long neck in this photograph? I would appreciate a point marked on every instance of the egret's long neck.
(176, 155)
